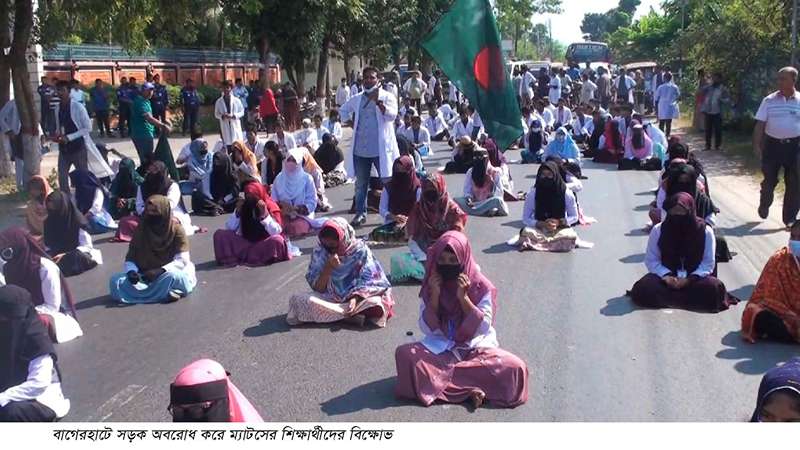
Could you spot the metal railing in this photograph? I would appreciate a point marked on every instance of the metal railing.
(92, 52)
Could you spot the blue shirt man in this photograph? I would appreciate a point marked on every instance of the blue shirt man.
(160, 99)
(99, 98)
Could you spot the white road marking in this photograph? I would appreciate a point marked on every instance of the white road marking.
(119, 400)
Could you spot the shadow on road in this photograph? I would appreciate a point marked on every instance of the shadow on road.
(643, 193)
(618, 306)
(743, 293)
(497, 249)
(748, 229)
(642, 208)
(270, 325)
(209, 266)
(517, 224)
(754, 359)
(633, 259)
(637, 232)
(102, 300)
(376, 395)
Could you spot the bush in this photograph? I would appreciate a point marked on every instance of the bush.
(174, 92)
(208, 94)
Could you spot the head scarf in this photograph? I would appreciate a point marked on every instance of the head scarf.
(403, 187)
(63, 223)
(247, 156)
(550, 201)
(450, 314)
(482, 172)
(293, 184)
(781, 378)
(36, 211)
(23, 337)
(496, 157)
(639, 142)
(309, 163)
(564, 148)
(703, 205)
(328, 155)
(200, 164)
(613, 136)
(597, 131)
(430, 219)
(23, 269)
(205, 380)
(86, 185)
(252, 229)
(358, 274)
(157, 183)
(223, 178)
(682, 241)
(156, 244)
(536, 136)
(127, 180)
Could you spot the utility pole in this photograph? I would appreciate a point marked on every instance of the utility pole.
(550, 37)
(794, 32)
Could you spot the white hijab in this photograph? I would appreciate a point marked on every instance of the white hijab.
(293, 185)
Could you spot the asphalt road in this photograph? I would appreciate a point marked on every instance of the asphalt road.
(592, 355)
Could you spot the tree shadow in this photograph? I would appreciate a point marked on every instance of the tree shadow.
(754, 359)
(374, 396)
(102, 300)
(748, 229)
(633, 259)
(497, 249)
(619, 306)
(270, 325)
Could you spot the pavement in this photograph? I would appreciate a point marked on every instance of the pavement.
(592, 355)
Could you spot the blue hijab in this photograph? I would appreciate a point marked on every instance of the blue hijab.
(781, 378)
(566, 149)
(200, 164)
(85, 184)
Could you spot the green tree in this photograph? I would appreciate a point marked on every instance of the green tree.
(599, 25)
(514, 17)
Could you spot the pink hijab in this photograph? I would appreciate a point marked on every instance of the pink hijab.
(206, 371)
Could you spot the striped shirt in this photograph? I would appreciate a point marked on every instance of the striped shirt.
(781, 114)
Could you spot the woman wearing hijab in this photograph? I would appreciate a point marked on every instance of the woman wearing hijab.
(122, 195)
(204, 392)
(598, 127)
(253, 234)
(483, 189)
(219, 191)
(296, 195)
(66, 237)
(30, 381)
(36, 210)
(680, 261)
(639, 151)
(27, 265)
(564, 147)
(611, 146)
(331, 159)
(200, 162)
(158, 182)
(347, 282)
(272, 164)
(406, 148)
(397, 200)
(433, 215)
(779, 394)
(245, 163)
(463, 155)
(311, 167)
(90, 199)
(773, 311)
(459, 359)
(498, 160)
(549, 213)
(681, 177)
(535, 142)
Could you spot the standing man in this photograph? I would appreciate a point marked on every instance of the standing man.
(46, 93)
(125, 102)
(342, 93)
(268, 110)
(143, 124)
(190, 103)
(624, 86)
(604, 87)
(229, 111)
(776, 138)
(413, 89)
(588, 89)
(241, 92)
(714, 96)
(666, 98)
(555, 87)
(543, 83)
(100, 105)
(374, 144)
(75, 91)
(253, 103)
(160, 99)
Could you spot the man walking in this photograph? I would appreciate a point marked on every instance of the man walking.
(190, 103)
(714, 96)
(374, 144)
(100, 105)
(143, 124)
(776, 138)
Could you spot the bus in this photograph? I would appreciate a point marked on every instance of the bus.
(591, 52)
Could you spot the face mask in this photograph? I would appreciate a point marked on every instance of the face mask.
(561, 138)
(291, 166)
(430, 196)
(152, 220)
(370, 90)
(448, 272)
(794, 246)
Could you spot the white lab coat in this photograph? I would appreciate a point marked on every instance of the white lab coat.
(666, 98)
(387, 143)
(342, 95)
(80, 116)
(231, 129)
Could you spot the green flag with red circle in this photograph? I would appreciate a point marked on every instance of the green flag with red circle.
(466, 46)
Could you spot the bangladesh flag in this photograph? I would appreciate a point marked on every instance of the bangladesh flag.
(466, 46)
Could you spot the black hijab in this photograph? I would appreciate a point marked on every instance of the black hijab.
(480, 167)
(550, 201)
(23, 336)
(157, 183)
(328, 155)
(213, 392)
(703, 205)
(223, 177)
(62, 223)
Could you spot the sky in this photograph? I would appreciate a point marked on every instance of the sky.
(567, 25)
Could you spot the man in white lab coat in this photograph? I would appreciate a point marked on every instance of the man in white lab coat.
(342, 93)
(374, 144)
(229, 111)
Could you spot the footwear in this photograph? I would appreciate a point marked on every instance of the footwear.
(493, 212)
(173, 296)
(359, 220)
(763, 211)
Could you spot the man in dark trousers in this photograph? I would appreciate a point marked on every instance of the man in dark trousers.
(160, 99)
(100, 105)
(190, 102)
(124, 102)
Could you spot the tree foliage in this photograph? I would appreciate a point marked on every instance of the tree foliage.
(514, 17)
(599, 25)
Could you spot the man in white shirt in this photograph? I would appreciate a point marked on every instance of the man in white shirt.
(548, 118)
(307, 136)
(342, 93)
(284, 140)
(526, 86)
(477, 123)
(588, 89)
(563, 114)
(414, 88)
(435, 124)
(555, 87)
(776, 139)
(319, 129)
(333, 126)
(624, 86)
(76, 93)
(448, 113)
(255, 145)
(419, 136)
(229, 110)
(462, 127)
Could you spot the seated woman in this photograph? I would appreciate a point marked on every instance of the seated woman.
(90, 199)
(564, 147)
(296, 195)
(535, 141)
(157, 182)
(245, 164)
(773, 311)
(459, 359)
(639, 151)
(463, 155)
(219, 190)
(30, 384)
(405, 148)
(498, 160)
(483, 189)
(272, 164)
(157, 266)
(611, 146)
(200, 162)
(549, 213)
(331, 159)
(122, 195)
(681, 177)
(36, 210)
(348, 282)
(204, 392)
(433, 215)
(779, 394)
(66, 237)
(253, 234)
(312, 168)
(28, 266)
(397, 200)
(598, 127)
(419, 136)
(680, 261)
